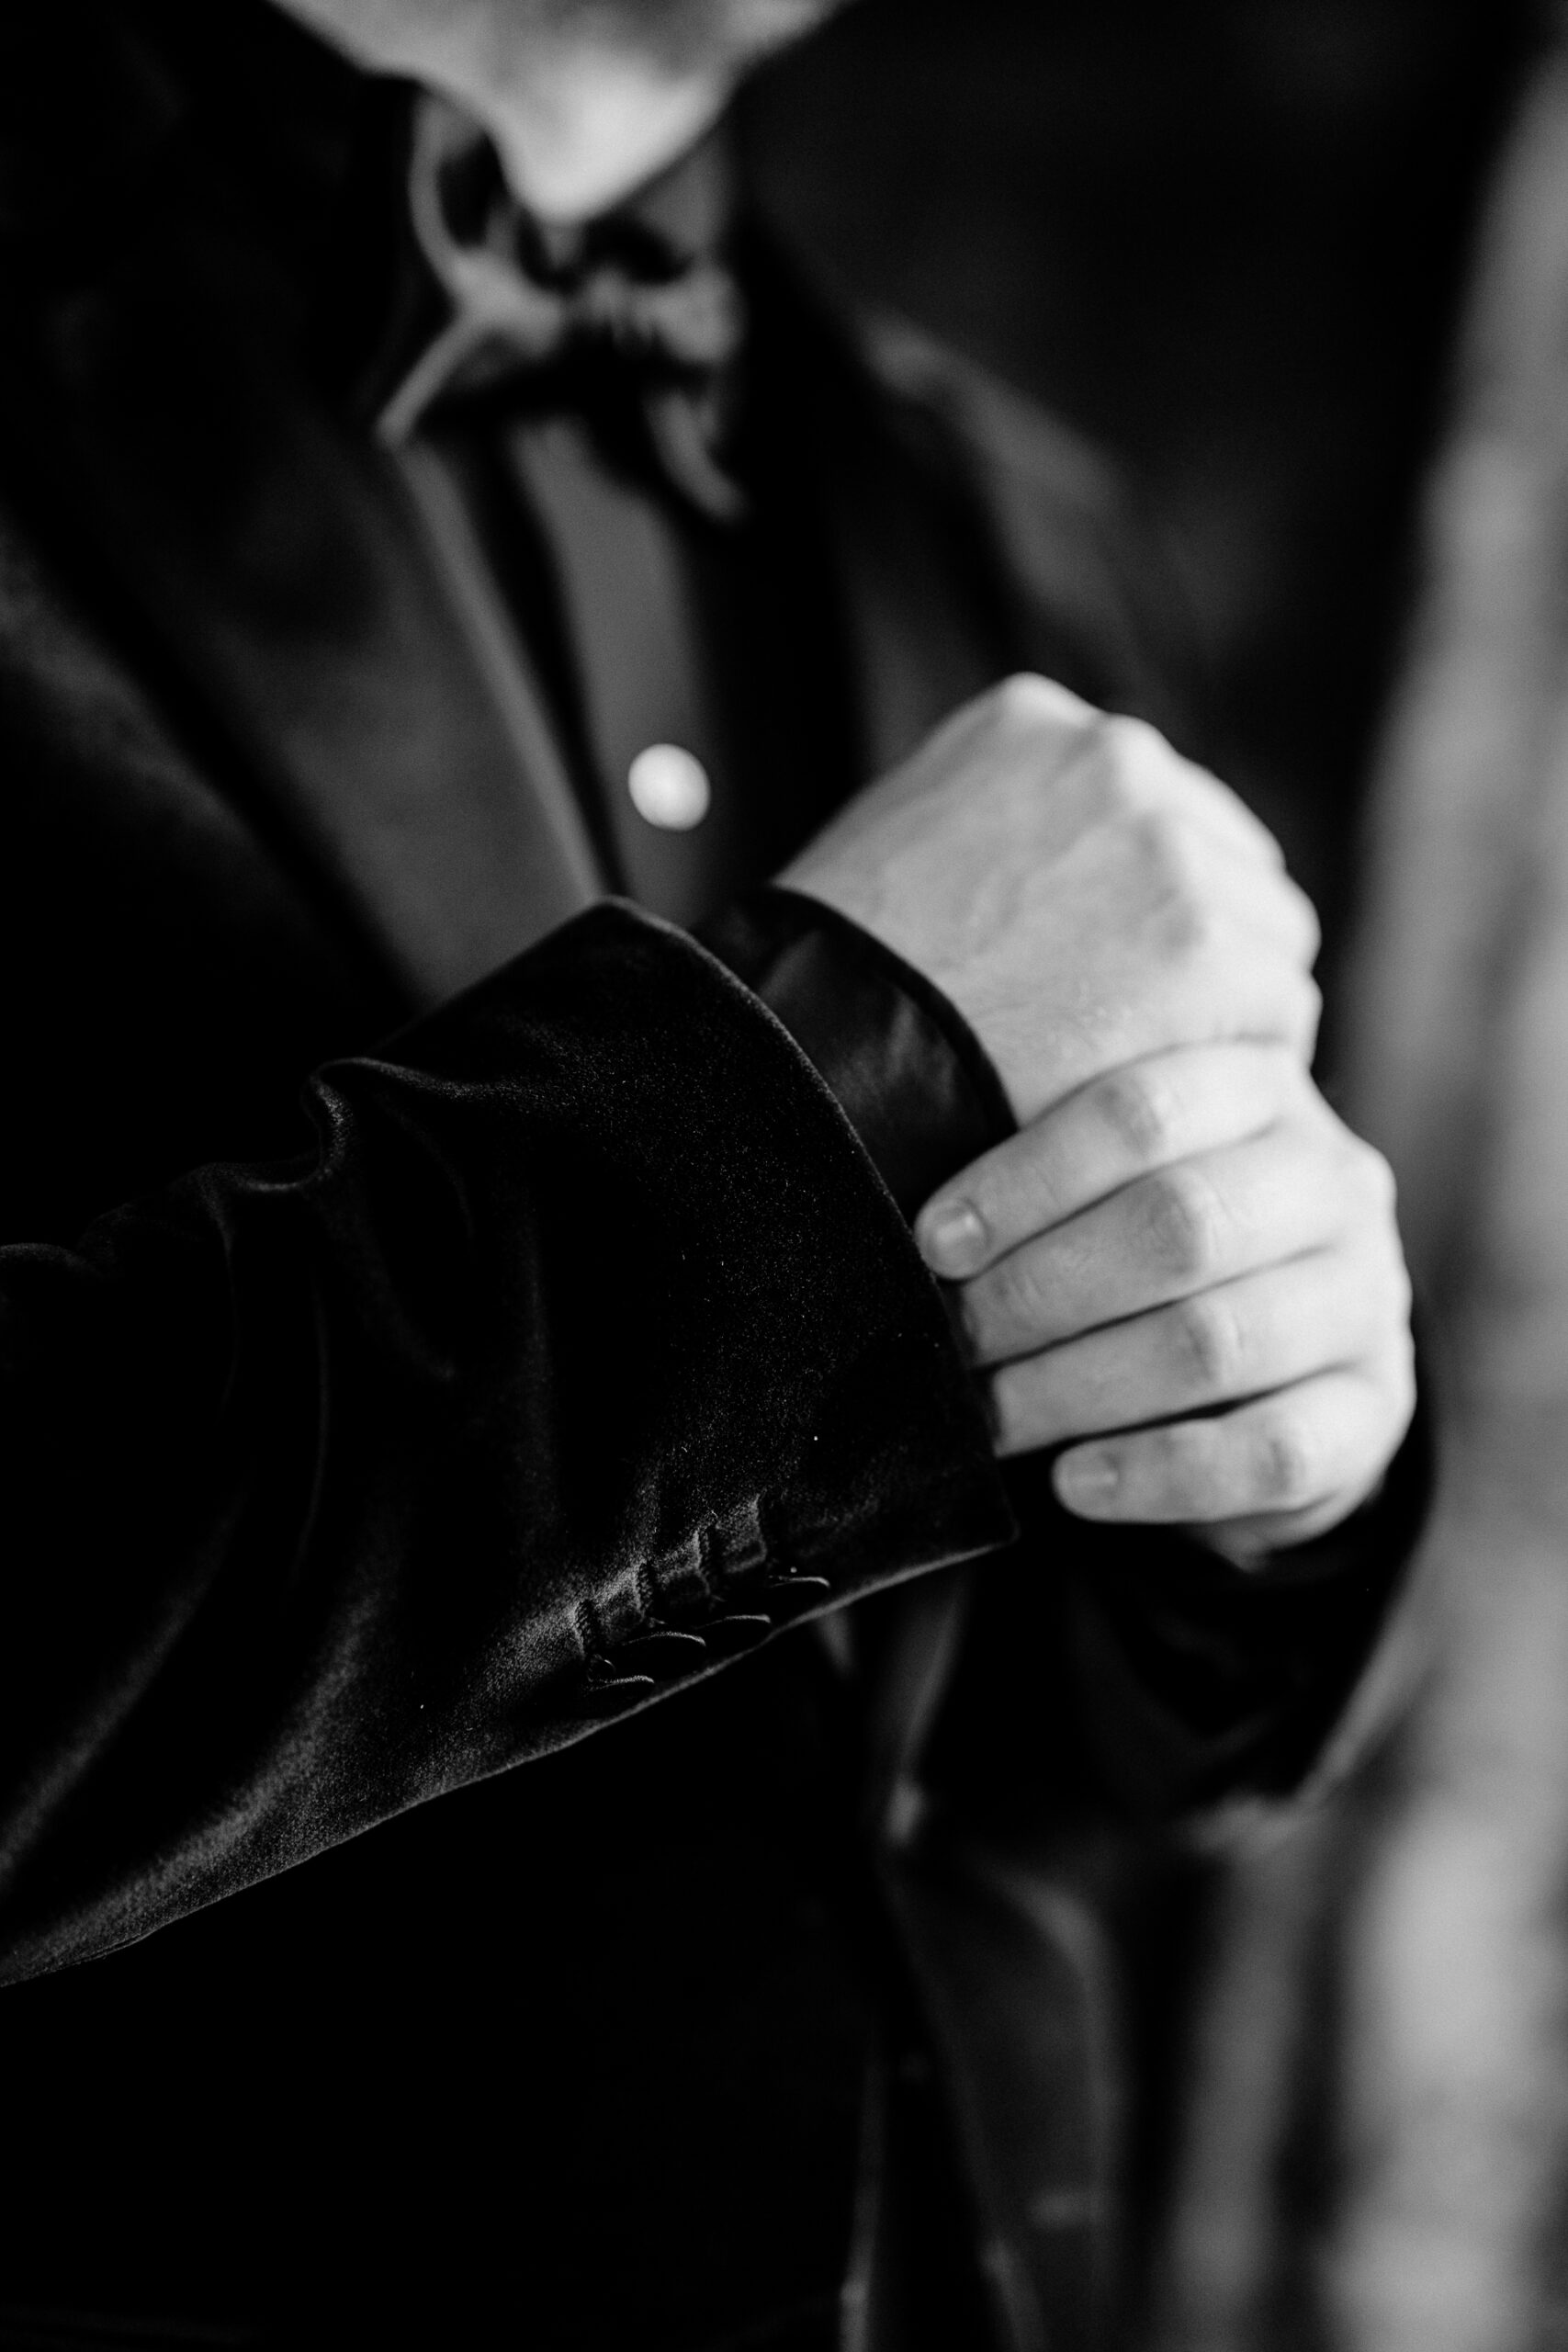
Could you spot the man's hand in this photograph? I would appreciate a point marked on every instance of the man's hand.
(1194, 1242)
(1184, 1255)
(1081, 893)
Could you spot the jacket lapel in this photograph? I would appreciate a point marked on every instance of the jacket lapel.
(918, 588)
(314, 609)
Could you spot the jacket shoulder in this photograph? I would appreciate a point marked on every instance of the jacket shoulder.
(1039, 453)
(1080, 555)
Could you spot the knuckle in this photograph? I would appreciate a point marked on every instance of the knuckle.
(1377, 1177)
(1374, 1307)
(1182, 1221)
(1131, 747)
(1110, 779)
(1385, 1321)
(1403, 1389)
(1309, 1006)
(1209, 1344)
(1402, 1289)
(1184, 915)
(1364, 1184)
(1139, 1110)
(1284, 1465)
(1306, 916)
(1026, 700)
(1300, 1100)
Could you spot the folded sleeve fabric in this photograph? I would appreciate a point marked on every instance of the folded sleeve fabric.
(583, 1351)
(1137, 1665)
(1180, 1678)
(914, 1080)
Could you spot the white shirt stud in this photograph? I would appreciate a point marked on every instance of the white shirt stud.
(670, 787)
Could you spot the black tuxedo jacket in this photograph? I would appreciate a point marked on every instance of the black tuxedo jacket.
(555, 1352)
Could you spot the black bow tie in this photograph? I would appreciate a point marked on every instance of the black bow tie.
(619, 318)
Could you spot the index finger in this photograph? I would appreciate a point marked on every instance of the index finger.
(1145, 1115)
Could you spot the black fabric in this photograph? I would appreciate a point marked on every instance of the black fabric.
(378, 1485)
(392, 1449)
(1162, 1671)
(917, 1085)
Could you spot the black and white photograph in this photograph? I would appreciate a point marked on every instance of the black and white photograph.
(784, 1176)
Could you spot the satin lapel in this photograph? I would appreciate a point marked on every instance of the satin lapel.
(300, 582)
(920, 590)
(916, 655)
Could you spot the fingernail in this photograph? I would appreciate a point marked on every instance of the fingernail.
(953, 1238)
(1088, 1480)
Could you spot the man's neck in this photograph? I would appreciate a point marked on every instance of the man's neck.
(578, 124)
(576, 142)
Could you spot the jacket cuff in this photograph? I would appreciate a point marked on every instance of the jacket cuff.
(1214, 1682)
(1133, 1664)
(909, 1072)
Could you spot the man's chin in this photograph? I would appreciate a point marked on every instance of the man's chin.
(677, 37)
(736, 34)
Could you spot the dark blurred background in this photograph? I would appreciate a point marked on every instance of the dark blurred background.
(1227, 238)
(1229, 241)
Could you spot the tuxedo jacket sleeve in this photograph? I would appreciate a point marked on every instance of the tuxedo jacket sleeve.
(581, 1348)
